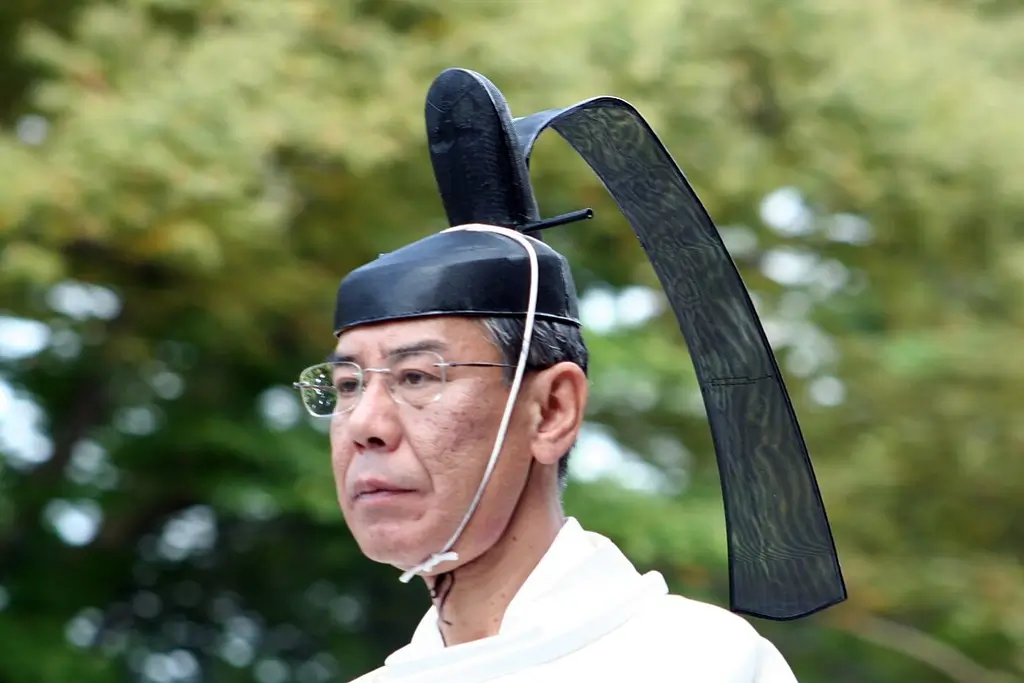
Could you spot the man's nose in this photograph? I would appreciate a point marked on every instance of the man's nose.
(373, 422)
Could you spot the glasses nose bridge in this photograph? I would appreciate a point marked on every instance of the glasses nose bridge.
(387, 375)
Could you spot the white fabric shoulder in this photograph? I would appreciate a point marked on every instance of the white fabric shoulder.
(706, 642)
(773, 667)
(704, 621)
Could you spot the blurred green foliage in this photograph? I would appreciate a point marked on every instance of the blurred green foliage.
(185, 182)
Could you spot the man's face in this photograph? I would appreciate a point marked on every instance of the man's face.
(433, 456)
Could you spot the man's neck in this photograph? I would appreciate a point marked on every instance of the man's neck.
(472, 601)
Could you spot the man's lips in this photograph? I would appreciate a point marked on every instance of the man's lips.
(378, 489)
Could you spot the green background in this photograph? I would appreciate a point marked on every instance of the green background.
(185, 182)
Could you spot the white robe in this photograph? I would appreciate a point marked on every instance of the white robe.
(585, 614)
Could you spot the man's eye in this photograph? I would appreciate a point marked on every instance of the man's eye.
(347, 386)
(416, 378)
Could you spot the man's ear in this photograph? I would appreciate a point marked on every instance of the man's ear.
(560, 398)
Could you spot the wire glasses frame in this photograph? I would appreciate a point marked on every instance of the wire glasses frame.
(415, 379)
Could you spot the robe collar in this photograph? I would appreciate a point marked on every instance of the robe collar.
(583, 588)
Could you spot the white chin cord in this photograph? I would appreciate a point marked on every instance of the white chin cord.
(446, 554)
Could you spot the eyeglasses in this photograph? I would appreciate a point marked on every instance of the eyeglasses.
(415, 379)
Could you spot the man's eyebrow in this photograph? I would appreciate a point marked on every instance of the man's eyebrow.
(435, 345)
(334, 357)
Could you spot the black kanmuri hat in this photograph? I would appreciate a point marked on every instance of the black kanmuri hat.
(782, 558)
(456, 273)
(483, 179)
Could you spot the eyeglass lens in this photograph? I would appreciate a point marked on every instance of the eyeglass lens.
(415, 379)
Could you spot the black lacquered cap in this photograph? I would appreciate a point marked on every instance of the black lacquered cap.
(464, 273)
(482, 179)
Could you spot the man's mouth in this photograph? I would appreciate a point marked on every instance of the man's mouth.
(373, 490)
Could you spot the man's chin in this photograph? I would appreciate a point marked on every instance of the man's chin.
(401, 562)
(403, 544)
(393, 551)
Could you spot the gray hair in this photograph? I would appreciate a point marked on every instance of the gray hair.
(552, 343)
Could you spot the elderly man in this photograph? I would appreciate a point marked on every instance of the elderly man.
(457, 389)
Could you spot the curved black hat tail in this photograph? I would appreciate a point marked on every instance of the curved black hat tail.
(782, 557)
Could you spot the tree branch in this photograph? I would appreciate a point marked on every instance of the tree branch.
(125, 533)
(127, 530)
(89, 408)
(923, 648)
(86, 412)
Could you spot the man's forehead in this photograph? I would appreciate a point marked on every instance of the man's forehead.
(440, 334)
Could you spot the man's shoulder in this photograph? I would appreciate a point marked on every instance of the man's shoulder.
(704, 627)
(708, 636)
(711, 620)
